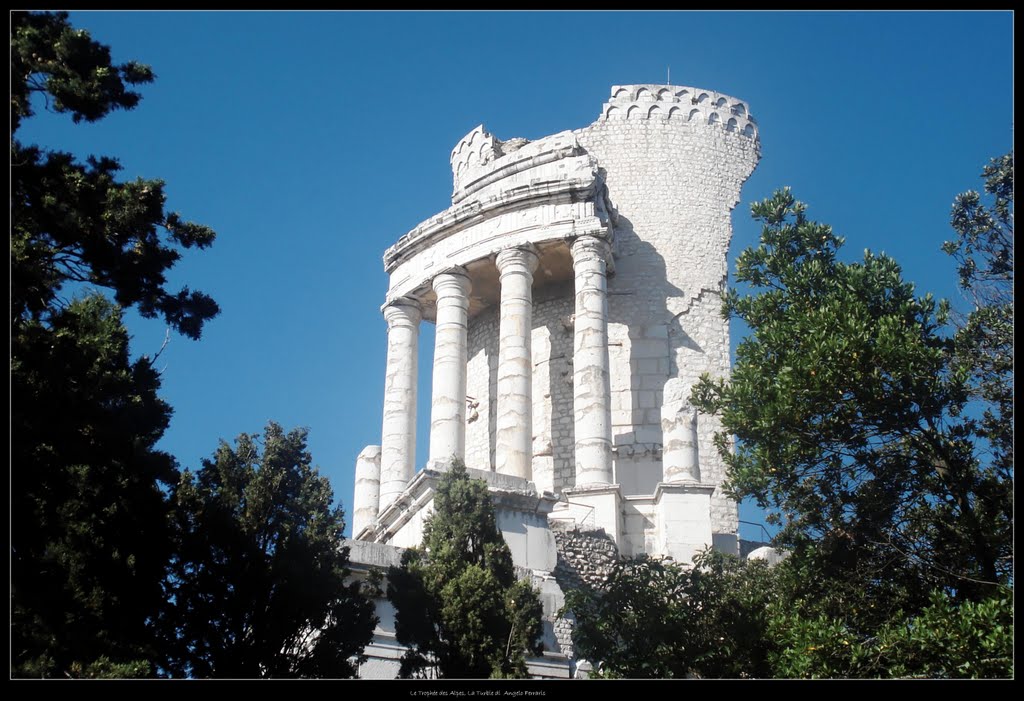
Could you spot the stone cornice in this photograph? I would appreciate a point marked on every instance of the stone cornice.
(588, 489)
(553, 170)
(681, 488)
(455, 219)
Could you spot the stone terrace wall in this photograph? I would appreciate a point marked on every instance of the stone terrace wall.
(585, 558)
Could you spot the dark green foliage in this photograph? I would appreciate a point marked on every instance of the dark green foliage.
(853, 403)
(661, 620)
(458, 605)
(849, 417)
(983, 251)
(68, 68)
(89, 537)
(731, 619)
(983, 248)
(74, 222)
(257, 582)
(103, 668)
(945, 641)
(818, 625)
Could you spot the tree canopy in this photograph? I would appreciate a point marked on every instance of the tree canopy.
(849, 415)
(983, 251)
(660, 620)
(89, 533)
(257, 583)
(74, 222)
(89, 536)
(458, 605)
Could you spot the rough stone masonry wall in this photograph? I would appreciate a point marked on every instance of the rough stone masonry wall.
(672, 183)
(585, 560)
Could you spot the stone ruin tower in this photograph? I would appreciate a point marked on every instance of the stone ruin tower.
(576, 287)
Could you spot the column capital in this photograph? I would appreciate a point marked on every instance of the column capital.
(403, 311)
(510, 259)
(453, 282)
(588, 248)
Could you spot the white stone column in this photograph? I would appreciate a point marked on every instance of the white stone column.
(591, 386)
(366, 499)
(679, 435)
(398, 437)
(448, 403)
(513, 450)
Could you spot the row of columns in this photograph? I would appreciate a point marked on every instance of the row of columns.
(514, 421)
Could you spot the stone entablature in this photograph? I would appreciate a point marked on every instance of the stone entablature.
(548, 191)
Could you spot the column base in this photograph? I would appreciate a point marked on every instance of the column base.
(439, 464)
(605, 500)
(683, 519)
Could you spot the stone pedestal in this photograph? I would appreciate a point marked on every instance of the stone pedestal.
(522, 517)
(513, 451)
(448, 402)
(366, 499)
(398, 435)
(591, 382)
(605, 504)
(683, 519)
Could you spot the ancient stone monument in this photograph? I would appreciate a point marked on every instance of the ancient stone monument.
(575, 285)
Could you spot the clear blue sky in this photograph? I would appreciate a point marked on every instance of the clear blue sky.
(312, 140)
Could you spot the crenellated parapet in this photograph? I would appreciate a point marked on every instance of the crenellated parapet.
(677, 103)
(473, 156)
(474, 151)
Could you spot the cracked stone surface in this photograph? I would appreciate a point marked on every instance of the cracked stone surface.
(631, 220)
(577, 377)
(448, 402)
(513, 451)
(591, 392)
(398, 435)
(679, 435)
(366, 499)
